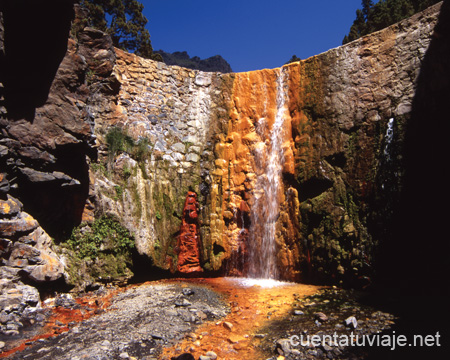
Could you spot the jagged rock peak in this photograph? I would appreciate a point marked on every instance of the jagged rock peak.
(181, 58)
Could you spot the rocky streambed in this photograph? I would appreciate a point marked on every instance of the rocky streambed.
(137, 323)
(206, 318)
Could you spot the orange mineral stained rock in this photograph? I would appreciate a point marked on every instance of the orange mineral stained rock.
(254, 308)
(188, 240)
(243, 155)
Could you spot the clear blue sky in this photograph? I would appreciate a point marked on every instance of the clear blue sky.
(249, 34)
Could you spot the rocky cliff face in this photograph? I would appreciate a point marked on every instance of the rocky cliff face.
(340, 162)
(347, 110)
(46, 139)
(206, 136)
(171, 108)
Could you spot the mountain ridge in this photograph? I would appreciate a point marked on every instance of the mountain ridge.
(214, 63)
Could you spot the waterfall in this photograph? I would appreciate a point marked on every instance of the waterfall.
(265, 211)
(388, 138)
(387, 159)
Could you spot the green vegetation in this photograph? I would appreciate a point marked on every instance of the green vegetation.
(313, 89)
(101, 251)
(118, 140)
(124, 21)
(126, 172)
(99, 167)
(294, 58)
(137, 213)
(90, 76)
(119, 192)
(104, 235)
(373, 17)
(139, 151)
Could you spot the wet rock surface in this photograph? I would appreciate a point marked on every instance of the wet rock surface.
(139, 322)
(188, 240)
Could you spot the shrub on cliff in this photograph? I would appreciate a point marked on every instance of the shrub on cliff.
(124, 21)
(293, 59)
(118, 140)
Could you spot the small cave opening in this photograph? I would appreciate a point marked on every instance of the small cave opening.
(47, 289)
(218, 249)
(58, 204)
(338, 160)
(313, 221)
(313, 187)
(144, 269)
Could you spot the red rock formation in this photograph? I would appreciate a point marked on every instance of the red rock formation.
(188, 240)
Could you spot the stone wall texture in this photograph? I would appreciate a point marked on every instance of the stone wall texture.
(345, 112)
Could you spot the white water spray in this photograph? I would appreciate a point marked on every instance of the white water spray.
(388, 138)
(387, 147)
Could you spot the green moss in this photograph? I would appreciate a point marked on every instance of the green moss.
(313, 89)
(352, 143)
(143, 170)
(105, 233)
(119, 192)
(167, 204)
(75, 270)
(208, 267)
(157, 195)
(351, 208)
(126, 172)
(137, 202)
(99, 167)
(99, 252)
(108, 267)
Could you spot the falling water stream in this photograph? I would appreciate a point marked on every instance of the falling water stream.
(387, 152)
(265, 211)
(389, 136)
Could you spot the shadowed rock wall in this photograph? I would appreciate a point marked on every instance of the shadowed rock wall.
(46, 138)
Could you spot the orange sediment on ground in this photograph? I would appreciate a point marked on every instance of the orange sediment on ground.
(252, 309)
(60, 319)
